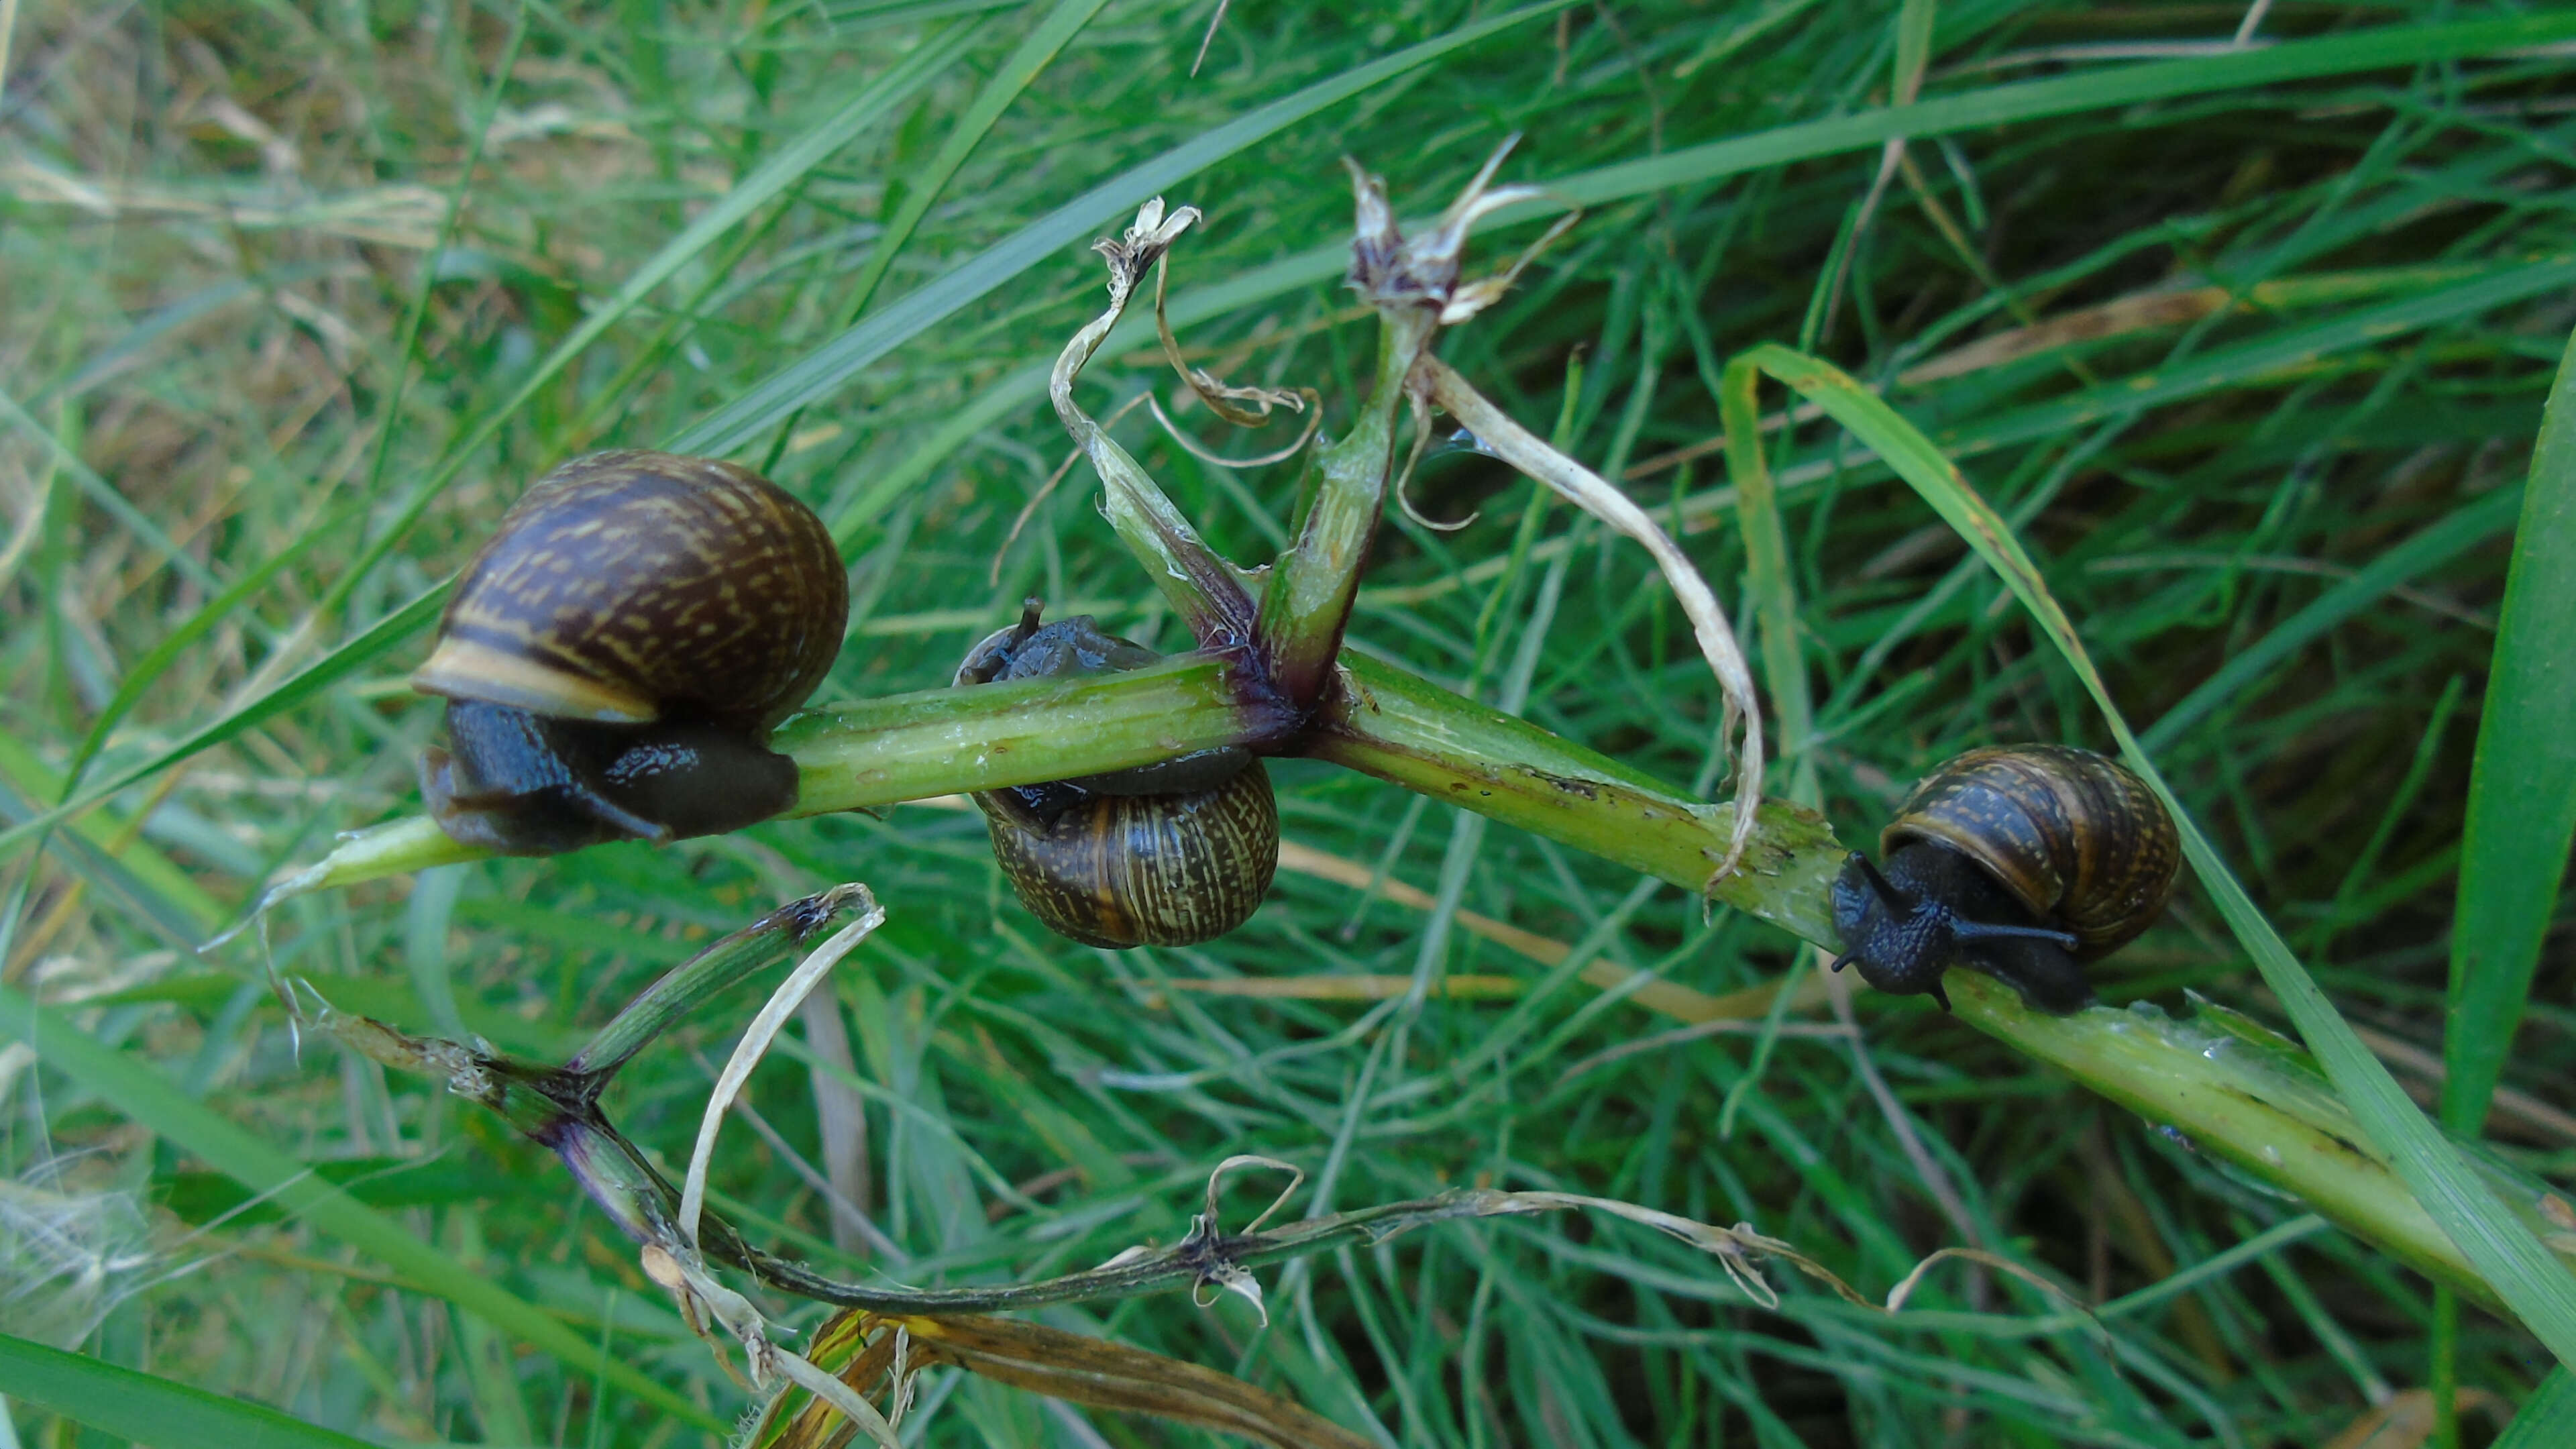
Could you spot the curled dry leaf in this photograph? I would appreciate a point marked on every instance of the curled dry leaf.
(1219, 396)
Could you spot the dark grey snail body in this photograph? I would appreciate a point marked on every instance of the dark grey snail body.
(1167, 854)
(2023, 862)
(616, 655)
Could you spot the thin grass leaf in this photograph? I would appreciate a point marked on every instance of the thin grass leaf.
(2393, 47)
(105, 495)
(2522, 795)
(148, 670)
(109, 853)
(1034, 54)
(826, 368)
(2277, 352)
(1766, 565)
(2543, 1419)
(792, 163)
(146, 1408)
(320, 675)
(2525, 1274)
(140, 1091)
(2424, 551)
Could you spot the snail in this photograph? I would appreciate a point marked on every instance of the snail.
(1168, 854)
(2022, 862)
(617, 654)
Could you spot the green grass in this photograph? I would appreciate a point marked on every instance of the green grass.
(295, 300)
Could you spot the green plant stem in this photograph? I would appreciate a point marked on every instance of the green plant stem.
(929, 742)
(2252, 1104)
(944, 741)
(2236, 1091)
(1308, 603)
(688, 985)
(1408, 731)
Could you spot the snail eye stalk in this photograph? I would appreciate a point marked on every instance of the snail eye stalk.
(1888, 894)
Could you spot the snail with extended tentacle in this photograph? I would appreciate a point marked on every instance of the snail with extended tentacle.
(1166, 854)
(617, 654)
(2022, 862)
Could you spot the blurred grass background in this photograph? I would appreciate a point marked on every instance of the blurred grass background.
(267, 272)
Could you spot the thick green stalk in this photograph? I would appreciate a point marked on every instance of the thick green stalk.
(2237, 1091)
(1308, 603)
(930, 742)
(1406, 730)
(943, 741)
(2230, 1088)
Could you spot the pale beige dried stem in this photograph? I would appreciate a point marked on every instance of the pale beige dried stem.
(702, 1300)
(755, 1043)
(1191, 446)
(1595, 495)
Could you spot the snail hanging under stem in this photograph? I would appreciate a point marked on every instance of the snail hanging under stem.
(1167, 854)
(617, 654)
(2022, 862)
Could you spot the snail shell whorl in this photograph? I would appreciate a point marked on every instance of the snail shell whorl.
(2077, 838)
(1165, 854)
(631, 584)
(1127, 870)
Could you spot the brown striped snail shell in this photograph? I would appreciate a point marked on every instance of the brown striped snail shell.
(1168, 854)
(617, 654)
(2023, 861)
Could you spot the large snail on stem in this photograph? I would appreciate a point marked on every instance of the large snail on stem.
(2022, 862)
(617, 654)
(1168, 854)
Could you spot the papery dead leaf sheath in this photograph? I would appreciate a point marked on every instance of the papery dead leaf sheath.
(1202, 588)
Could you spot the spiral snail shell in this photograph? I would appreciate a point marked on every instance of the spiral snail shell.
(1168, 854)
(2023, 861)
(616, 655)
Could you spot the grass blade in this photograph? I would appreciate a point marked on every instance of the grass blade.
(148, 669)
(2543, 1421)
(2429, 549)
(2523, 1272)
(1035, 54)
(2278, 351)
(147, 1408)
(140, 1091)
(103, 849)
(330, 669)
(2386, 48)
(2522, 792)
(825, 368)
